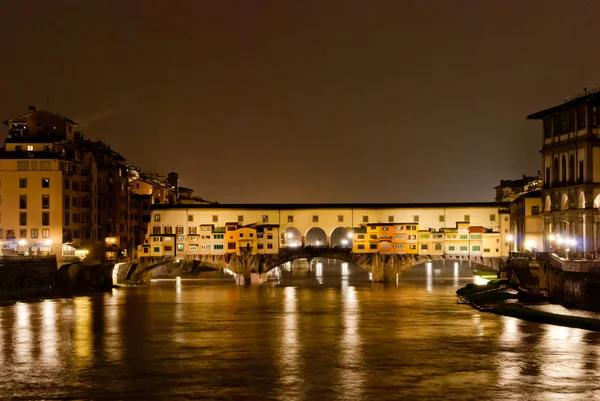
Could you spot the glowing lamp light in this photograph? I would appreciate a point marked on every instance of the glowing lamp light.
(318, 242)
(573, 241)
(22, 242)
(560, 241)
(350, 234)
(48, 242)
(344, 242)
(529, 244)
(510, 238)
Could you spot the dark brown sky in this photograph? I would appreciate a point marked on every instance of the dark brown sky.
(306, 101)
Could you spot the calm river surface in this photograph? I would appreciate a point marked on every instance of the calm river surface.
(315, 334)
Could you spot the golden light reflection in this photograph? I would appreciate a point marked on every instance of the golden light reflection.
(563, 356)
(83, 330)
(49, 352)
(179, 317)
(22, 339)
(510, 361)
(113, 345)
(455, 281)
(319, 272)
(351, 376)
(290, 369)
(429, 277)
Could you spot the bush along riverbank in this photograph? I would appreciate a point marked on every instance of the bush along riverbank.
(498, 297)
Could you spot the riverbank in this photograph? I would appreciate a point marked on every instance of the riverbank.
(499, 298)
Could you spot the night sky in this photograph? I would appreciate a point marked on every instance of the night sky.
(306, 101)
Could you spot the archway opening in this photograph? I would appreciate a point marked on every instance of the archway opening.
(548, 204)
(581, 203)
(597, 202)
(564, 203)
(316, 237)
(291, 237)
(341, 237)
(571, 169)
(555, 171)
(564, 171)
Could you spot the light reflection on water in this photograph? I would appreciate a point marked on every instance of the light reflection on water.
(322, 331)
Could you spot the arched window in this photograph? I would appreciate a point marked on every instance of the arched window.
(564, 171)
(571, 169)
(555, 171)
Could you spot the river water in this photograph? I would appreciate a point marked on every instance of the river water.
(315, 332)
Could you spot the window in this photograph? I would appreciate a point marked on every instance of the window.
(75, 201)
(23, 219)
(476, 248)
(231, 245)
(231, 228)
(23, 165)
(373, 236)
(390, 219)
(45, 182)
(180, 247)
(372, 246)
(424, 247)
(384, 245)
(67, 202)
(270, 236)
(416, 218)
(157, 217)
(67, 184)
(315, 219)
(156, 230)
(23, 233)
(486, 249)
(168, 230)
(45, 201)
(535, 210)
(45, 218)
(464, 248)
(260, 246)
(290, 219)
(22, 201)
(265, 218)
(581, 171)
(475, 236)
(30, 148)
(360, 236)
(340, 218)
(385, 229)
(168, 248)
(492, 217)
(251, 235)
(441, 218)
(156, 239)
(190, 217)
(424, 235)
(365, 219)
(412, 247)
(451, 247)
(193, 247)
(179, 230)
(156, 249)
(269, 246)
(34, 233)
(438, 247)
(412, 236)
(462, 236)
(467, 218)
(360, 246)
(192, 230)
(240, 218)
(505, 218)
(241, 235)
(22, 182)
(77, 234)
(45, 233)
(18, 148)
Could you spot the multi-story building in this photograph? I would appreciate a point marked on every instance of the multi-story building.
(527, 222)
(571, 169)
(509, 190)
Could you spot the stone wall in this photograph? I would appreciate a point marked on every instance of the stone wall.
(27, 273)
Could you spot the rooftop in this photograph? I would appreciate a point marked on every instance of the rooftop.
(587, 96)
(296, 206)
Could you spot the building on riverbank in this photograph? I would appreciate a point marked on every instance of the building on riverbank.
(571, 171)
(65, 195)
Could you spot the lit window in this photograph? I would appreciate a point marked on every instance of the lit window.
(30, 148)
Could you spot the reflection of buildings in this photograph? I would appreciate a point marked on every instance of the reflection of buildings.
(570, 161)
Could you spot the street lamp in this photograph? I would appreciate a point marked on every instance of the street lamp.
(318, 242)
(345, 242)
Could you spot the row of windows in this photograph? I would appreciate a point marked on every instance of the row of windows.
(45, 218)
(27, 165)
(340, 218)
(23, 201)
(23, 182)
(33, 233)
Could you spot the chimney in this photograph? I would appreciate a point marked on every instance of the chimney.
(31, 108)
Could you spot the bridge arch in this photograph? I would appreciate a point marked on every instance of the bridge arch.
(341, 237)
(316, 236)
(291, 236)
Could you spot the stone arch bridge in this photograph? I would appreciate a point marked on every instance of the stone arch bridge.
(383, 267)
